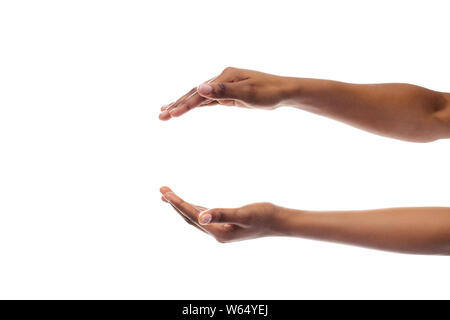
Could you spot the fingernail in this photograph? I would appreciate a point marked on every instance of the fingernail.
(205, 89)
(205, 219)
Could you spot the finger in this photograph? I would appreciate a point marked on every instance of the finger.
(184, 97)
(165, 189)
(209, 103)
(190, 103)
(186, 208)
(212, 229)
(227, 102)
(165, 114)
(219, 215)
(200, 208)
(165, 107)
(222, 90)
(188, 220)
(172, 110)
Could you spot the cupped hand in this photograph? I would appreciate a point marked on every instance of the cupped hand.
(226, 225)
(233, 87)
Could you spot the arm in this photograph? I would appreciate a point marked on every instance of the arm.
(406, 230)
(399, 111)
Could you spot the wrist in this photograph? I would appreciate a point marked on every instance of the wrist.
(289, 91)
(285, 221)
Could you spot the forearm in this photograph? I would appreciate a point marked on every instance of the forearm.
(407, 230)
(400, 111)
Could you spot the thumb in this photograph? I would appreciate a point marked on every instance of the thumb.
(221, 216)
(220, 90)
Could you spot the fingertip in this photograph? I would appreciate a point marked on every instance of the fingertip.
(164, 189)
(164, 199)
(164, 116)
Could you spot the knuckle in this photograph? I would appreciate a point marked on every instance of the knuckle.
(228, 70)
(221, 89)
(218, 216)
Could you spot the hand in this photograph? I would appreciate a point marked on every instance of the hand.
(226, 225)
(233, 87)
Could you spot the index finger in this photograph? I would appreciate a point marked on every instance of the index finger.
(191, 102)
(187, 102)
(188, 220)
(186, 208)
(165, 114)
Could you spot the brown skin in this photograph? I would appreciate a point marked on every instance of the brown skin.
(400, 111)
(248, 222)
(405, 230)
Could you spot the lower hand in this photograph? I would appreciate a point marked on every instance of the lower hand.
(226, 225)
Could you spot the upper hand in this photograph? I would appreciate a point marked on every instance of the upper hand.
(225, 225)
(233, 87)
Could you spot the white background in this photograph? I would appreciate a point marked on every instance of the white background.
(83, 154)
